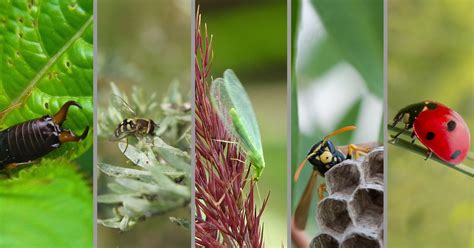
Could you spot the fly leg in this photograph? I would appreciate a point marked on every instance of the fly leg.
(126, 145)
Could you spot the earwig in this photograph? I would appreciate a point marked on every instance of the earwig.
(33, 139)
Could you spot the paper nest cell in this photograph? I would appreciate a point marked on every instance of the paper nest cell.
(352, 214)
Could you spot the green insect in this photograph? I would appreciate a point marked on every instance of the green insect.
(235, 110)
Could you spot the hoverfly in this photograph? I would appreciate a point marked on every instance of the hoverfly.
(133, 125)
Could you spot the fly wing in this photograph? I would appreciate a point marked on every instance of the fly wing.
(228, 94)
(121, 136)
(121, 105)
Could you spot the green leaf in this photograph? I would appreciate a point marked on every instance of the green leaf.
(356, 28)
(46, 60)
(48, 205)
(324, 55)
(350, 118)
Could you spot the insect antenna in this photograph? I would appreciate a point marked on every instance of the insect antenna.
(339, 131)
(300, 168)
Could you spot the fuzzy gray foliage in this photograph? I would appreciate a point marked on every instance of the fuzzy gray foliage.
(155, 177)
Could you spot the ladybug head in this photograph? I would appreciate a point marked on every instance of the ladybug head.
(409, 113)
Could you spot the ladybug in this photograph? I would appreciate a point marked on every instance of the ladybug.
(442, 130)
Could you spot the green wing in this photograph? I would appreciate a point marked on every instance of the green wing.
(235, 110)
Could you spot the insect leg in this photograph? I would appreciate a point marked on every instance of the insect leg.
(356, 151)
(9, 167)
(428, 154)
(397, 119)
(126, 145)
(60, 116)
(67, 135)
(398, 134)
(226, 141)
(413, 137)
(321, 190)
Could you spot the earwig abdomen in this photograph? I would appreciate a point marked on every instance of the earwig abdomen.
(29, 140)
(33, 139)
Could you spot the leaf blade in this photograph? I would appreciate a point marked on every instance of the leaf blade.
(47, 59)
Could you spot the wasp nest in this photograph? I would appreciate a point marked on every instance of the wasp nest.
(352, 214)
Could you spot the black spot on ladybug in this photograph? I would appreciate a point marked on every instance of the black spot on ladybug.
(430, 135)
(455, 154)
(431, 105)
(451, 125)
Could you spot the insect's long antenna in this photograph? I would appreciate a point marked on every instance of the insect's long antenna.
(338, 131)
(300, 168)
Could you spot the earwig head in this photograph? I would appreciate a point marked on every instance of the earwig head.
(323, 155)
(61, 115)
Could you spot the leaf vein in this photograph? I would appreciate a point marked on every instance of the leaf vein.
(17, 102)
(36, 27)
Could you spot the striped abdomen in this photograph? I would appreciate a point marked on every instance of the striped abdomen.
(29, 140)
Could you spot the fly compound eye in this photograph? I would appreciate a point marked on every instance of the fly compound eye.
(326, 157)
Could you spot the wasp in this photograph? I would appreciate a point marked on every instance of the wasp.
(131, 126)
(323, 156)
(33, 139)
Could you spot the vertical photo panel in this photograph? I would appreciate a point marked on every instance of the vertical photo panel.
(240, 123)
(431, 114)
(46, 123)
(144, 124)
(337, 97)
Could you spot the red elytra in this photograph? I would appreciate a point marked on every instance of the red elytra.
(441, 129)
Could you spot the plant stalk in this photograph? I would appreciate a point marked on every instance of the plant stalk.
(399, 142)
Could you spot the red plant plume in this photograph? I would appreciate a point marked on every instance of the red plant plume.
(226, 214)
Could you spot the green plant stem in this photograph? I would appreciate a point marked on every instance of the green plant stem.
(423, 151)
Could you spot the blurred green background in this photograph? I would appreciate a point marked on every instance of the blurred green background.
(337, 70)
(430, 57)
(146, 43)
(250, 38)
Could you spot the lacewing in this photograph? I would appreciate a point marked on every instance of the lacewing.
(235, 110)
